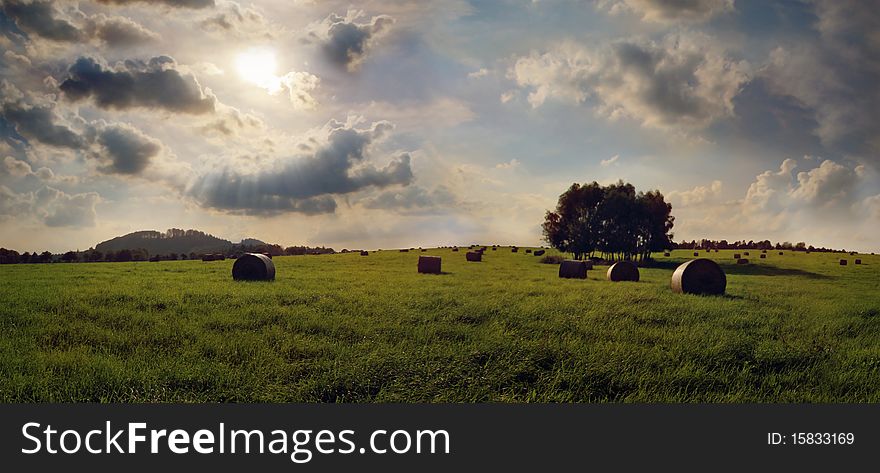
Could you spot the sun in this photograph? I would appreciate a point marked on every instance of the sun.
(258, 66)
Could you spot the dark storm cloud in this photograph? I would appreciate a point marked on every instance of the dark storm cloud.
(127, 149)
(346, 42)
(40, 18)
(167, 3)
(308, 183)
(155, 84)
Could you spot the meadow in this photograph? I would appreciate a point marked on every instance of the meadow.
(349, 328)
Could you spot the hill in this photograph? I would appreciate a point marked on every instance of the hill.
(172, 241)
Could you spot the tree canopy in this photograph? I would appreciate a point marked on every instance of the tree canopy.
(613, 220)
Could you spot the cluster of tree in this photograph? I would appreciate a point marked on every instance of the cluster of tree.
(614, 220)
(305, 250)
(13, 257)
(750, 245)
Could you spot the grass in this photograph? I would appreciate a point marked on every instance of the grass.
(347, 328)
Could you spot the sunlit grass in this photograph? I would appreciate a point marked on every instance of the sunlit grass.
(346, 328)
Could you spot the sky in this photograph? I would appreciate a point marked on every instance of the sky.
(399, 123)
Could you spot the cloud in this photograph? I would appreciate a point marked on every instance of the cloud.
(412, 199)
(238, 21)
(669, 11)
(482, 72)
(125, 149)
(608, 162)
(41, 18)
(685, 81)
(36, 120)
(346, 42)
(59, 209)
(699, 195)
(52, 207)
(156, 84)
(18, 168)
(167, 3)
(119, 31)
(306, 183)
(45, 20)
(835, 75)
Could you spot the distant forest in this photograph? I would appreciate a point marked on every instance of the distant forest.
(149, 245)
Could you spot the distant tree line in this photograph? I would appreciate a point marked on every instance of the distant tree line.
(614, 221)
(95, 256)
(706, 244)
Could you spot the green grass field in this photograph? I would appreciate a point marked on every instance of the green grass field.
(347, 328)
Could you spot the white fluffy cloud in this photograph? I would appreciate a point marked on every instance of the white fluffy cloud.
(685, 81)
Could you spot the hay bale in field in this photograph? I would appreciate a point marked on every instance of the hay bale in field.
(746, 253)
(429, 264)
(737, 256)
(475, 256)
(696, 253)
(494, 248)
(455, 249)
(763, 256)
(708, 250)
(538, 253)
(763, 251)
(666, 254)
(742, 261)
(716, 250)
(843, 262)
(780, 253)
(858, 261)
(365, 253)
(514, 249)
(623, 271)
(404, 250)
(253, 267)
(528, 251)
(424, 250)
(699, 276)
(572, 269)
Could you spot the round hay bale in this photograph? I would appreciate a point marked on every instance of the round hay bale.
(572, 269)
(699, 276)
(737, 256)
(742, 261)
(538, 253)
(858, 261)
(424, 250)
(365, 253)
(455, 249)
(514, 249)
(253, 267)
(475, 256)
(763, 256)
(665, 254)
(763, 251)
(623, 271)
(528, 251)
(716, 250)
(780, 253)
(429, 264)
(746, 253)
(494, 248)
(843, 262)
(404, 251)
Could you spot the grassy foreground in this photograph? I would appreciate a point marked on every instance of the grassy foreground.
(347, 328)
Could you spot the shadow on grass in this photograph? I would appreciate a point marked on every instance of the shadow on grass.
(745, 269)
(441, 273)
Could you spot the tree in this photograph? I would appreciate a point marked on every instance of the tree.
(614, 219)
(70, 257)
